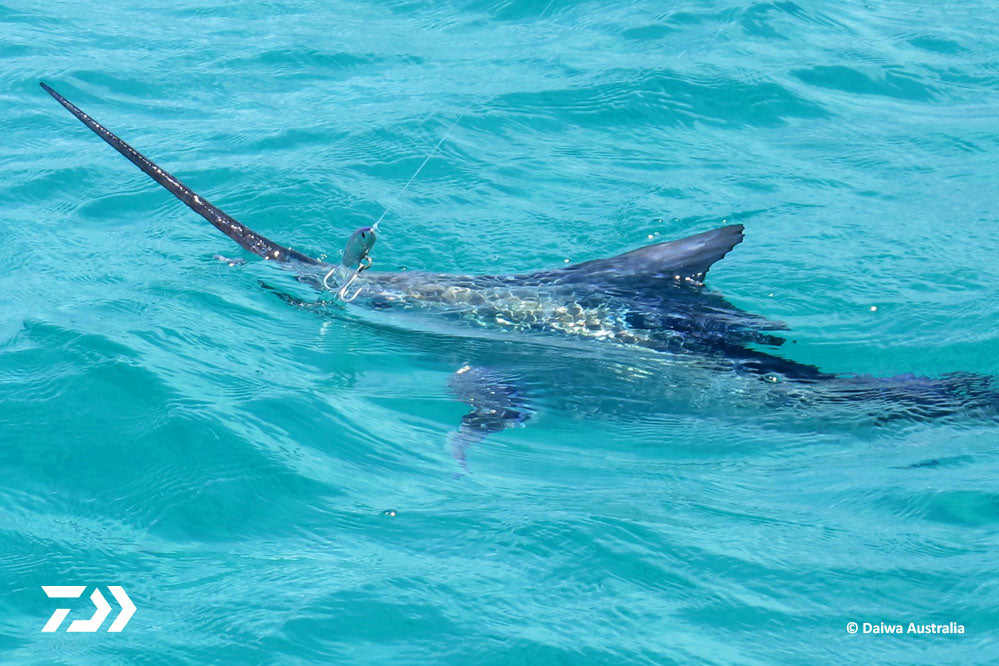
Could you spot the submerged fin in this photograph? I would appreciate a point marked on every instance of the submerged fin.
(687, 258)
(496, 405)
(247, 238)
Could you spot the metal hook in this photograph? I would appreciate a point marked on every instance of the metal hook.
(364, 265)
(326, 279)
(342, 294)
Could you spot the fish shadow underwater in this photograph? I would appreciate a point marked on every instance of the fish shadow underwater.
(646, 317)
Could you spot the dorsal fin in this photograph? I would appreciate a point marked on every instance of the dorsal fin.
(689, 257)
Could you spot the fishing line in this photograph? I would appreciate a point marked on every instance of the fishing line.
(447, 133)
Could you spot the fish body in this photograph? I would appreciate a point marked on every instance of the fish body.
(653, 298)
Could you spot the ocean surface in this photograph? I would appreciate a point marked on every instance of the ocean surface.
(272, 484)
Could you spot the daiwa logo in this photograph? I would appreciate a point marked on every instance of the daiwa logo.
(101, 614)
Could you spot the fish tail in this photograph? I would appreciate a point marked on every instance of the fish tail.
(922, 398)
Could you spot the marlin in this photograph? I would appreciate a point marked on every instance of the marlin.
(652, 298)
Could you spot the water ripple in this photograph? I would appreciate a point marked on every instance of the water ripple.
(276, 484)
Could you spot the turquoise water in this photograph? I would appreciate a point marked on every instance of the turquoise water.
(274, 485)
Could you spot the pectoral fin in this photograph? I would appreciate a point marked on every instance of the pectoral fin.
(495, 403)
